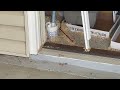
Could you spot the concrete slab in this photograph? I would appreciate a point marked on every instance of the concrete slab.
(17, 72)
(20, 67)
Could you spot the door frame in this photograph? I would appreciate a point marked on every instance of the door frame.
(36, 30)
(32, 36)
(33, 25)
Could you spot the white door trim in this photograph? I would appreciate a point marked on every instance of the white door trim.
(114, 15)
(86, 28)
(33, 31)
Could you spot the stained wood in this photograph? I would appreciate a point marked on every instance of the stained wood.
(104, 20)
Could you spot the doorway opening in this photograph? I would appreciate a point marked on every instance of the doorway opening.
(71, 36)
